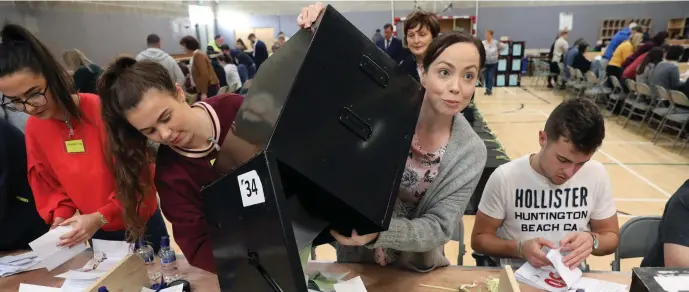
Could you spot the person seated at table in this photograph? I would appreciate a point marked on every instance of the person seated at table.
(444, 165)
(19, 219)
(657, 41)
(556, 198)
(671, 247)
(569, 56)
(67, 171)
(645, 69)
(580, 61)
(140, 102)
(666, 73)
(623, 51)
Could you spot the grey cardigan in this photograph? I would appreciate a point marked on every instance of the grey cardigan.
(420, 241)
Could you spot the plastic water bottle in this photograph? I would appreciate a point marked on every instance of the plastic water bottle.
(145, 251)
(168, 260)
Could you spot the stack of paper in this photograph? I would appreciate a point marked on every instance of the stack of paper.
(559, 278)
(106, 255)
(47, 250)
(10, 265)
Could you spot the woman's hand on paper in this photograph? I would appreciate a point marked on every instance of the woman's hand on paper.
(56, 222)
(580, 246)
(533, 253)
(355, 239)
(309, 15)
(84, 228)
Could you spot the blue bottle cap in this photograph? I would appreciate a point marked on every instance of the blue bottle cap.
(164, 241)
(102, 289)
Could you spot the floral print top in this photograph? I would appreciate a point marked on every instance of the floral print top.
(419, 172)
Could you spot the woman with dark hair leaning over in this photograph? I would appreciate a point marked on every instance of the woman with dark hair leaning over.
(444, 163)
(67, 170)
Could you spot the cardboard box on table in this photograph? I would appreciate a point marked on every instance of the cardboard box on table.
(319, 143)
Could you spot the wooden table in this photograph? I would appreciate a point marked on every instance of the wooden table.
(375, 278)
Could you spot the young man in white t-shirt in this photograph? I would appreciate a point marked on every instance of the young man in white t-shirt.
(556, 198)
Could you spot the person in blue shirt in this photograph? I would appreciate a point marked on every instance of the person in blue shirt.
(571, 54)
(616, 40)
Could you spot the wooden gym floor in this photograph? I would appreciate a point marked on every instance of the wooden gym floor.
(643, 175)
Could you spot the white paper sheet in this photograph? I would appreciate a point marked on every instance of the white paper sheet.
(47, 250)
(176, 288)
(351, 285)
(566, 21)
(106, 255)
(14, 264)
(570, 276)
(590, 284)
(673, 283)
(35, 288)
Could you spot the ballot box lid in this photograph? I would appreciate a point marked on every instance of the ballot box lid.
(339, 116)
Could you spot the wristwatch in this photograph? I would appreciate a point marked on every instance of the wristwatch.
(595, 240)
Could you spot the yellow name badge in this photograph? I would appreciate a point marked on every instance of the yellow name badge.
(75, 146)
(212, 161)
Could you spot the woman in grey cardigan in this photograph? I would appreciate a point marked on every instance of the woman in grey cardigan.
(444, 165)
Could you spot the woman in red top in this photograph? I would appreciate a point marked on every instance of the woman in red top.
(67, 170)
(141, 102)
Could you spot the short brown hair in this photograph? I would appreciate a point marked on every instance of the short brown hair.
(579, 121)
(489, 31)
(422, 19)
(190, 43)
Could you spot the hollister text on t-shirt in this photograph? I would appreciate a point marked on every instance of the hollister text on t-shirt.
(531, 206)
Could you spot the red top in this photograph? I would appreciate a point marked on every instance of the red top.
(65, 178)
(180, 176)
(630, 71)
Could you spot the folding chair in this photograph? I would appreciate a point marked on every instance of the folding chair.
(596, 88)
(659, 114)
(639, 106)
(616, 96)
(637, 237)
(681, 119)
(580, 84)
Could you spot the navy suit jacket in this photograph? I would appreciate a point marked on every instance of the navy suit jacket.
(395, 49)
(260, 53)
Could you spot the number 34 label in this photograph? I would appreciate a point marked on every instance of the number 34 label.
(251, 188)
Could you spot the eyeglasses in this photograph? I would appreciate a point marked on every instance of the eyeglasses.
(35, 100)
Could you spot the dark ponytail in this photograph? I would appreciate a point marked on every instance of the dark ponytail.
(654, 56)
(21, 50)
(121, 88)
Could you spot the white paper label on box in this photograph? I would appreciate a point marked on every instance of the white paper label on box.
(251, 188)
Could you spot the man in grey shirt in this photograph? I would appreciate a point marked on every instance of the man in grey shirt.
(666, 73)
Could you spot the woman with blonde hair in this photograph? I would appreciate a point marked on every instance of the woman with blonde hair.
(85, 74)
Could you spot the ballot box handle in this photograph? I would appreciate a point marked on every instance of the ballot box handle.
(355, 124)
(374, 71)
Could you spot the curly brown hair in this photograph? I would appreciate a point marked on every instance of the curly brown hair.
(121, 88)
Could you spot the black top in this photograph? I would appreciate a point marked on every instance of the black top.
(409, 65)
(673, 227)
(85, 79)
(19, 220)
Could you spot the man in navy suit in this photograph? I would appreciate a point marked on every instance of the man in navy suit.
(260, 50)
(391, 45)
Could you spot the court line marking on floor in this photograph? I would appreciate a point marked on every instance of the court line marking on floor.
(631, 171)
(510, 91)
(647, 200)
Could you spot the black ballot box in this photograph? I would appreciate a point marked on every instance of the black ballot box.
(643, 279)
(319, 143)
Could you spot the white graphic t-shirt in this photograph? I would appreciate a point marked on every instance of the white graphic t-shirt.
(531, 206)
